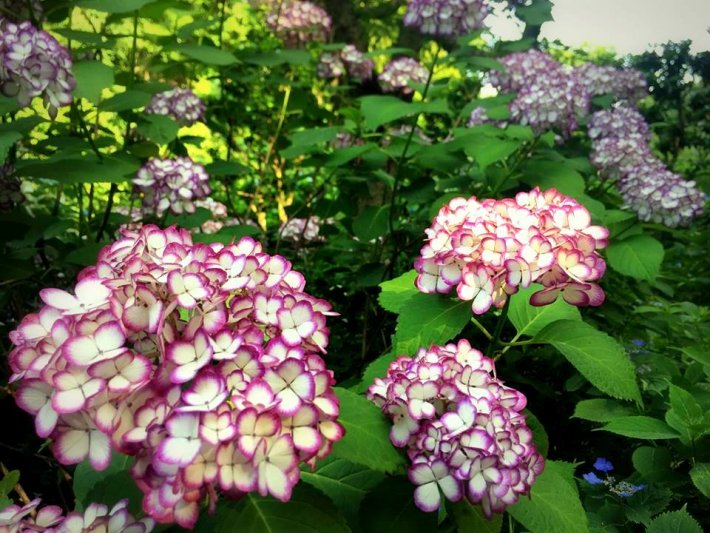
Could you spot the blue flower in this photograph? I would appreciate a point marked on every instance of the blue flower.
(626, 489)
(603, 465)
(592, 479)
(638, 342)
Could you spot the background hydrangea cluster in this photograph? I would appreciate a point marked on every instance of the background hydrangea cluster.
(397, 74)
(446, 17)
(299, 23)
(348, 60)
(184, 106)
(33, 63)
(171, 185)
(201, 361)
(464, 430)
(488, 249)
(621, 151)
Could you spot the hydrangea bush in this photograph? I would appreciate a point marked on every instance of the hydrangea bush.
(184, 106)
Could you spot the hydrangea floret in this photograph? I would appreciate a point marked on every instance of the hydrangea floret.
(399, 72)
(33, 63)
(182, 105)
(620, 150)
(335, 64)
(463, 429)
(171, 184)
(203, 362)
(10, 188)
(96, 517)
(488, 249)
(446, 17)
(299, 23)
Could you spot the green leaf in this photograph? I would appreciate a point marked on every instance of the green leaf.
(343, 482)
(372, 223)
(91, 78)
(8, 482)
(699, 354)
(344, 155)
(7, 139)
(307, 511)
(429, 319)
(376, 369)
(209, 55)
(652, 462)
(112, 6)
(554, 505)
(226, 168)
(540, 438)
(366, 441)
(109, 486)
(160, 129)
(85, 255)
(601, 410)
(674, 522)
(278, 57)
(313, 136)
(485, 63)
(639, 256)
(488, 150)
(530, 320)
(5, 502)
(536, 14)
(110, 169)
(469, 518)
(596, 355)
(22, 125)
(390, 508)
(554, 174)
(640, 427)
(397, 292)
(227, 234)
(124, 101)
(685, 405)
(700, 474)
(378, 110)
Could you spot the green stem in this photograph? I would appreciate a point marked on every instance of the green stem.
(482, 329)
(499, 329)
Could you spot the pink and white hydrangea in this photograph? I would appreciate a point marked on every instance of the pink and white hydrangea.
(96, 517)
(201, 361)
(171, 184)
(184, 106)
(348, 60)
(449, 18)
(399, 72)
(463, 429)
(299, 23)
(488, 249)
(33, 63)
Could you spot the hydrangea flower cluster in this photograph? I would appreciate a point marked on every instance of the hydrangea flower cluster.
(96, 517)
(182, 105)
(463, 429)
(219, 214)
(399, 72)
(171, 184)
(20, 10)
(201, 361)
(623, 489)
(349, 59)
(488, 249)
(522, 68)
(620, 150)
(624, 84)
(478, 116)
(299, 23)
(33, 63)
(10, 189)
(446, 17)
(301, 229)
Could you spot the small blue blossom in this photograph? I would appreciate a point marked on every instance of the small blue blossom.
(626, 489)
(638, 342)
(592, 478)
(603, 465)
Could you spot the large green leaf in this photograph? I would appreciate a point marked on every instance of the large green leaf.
(535, 14)
(7, 139)
(429, 319)
(469, 518)
(700, 474)
(601, 410)
(307, 511)
(397, 292)
(530, 320)
(378, 110)
(8, 482)
(652, 462)
(277, 57)
(372, 223)
(112, 6)
(554, 505)
(376, 369)
(366, 441)
(639, 256)
(488, 150)
(109, 486)
(159, 128)
(124, 101)
(91, 78)
(343, 482)
(390, 508)
(685, 405)
(554, 174)
(596, 355)
(209, 55)
(110, 169)
(640, 427)
(674, 522)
